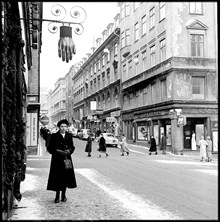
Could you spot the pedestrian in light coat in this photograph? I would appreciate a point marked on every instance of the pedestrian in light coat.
(153, 146)
(60, 147)
(124, 146)
(89, 146)
(202, 146)
(209, 149)
(163, 144)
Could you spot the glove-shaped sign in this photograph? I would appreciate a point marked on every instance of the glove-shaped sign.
(66, 46)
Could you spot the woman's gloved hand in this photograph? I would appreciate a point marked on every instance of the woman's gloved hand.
(61, 152)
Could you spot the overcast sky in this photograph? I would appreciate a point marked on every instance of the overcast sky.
(99, 15)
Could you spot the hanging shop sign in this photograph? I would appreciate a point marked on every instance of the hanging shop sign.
(181, 121)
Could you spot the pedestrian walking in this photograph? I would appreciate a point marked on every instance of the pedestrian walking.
(124, 146)
(163, 144)
(193, 142)
(89, 146)
(209, 149)
(102, 146)
(153, 146)
(202, 147)
(61, 147)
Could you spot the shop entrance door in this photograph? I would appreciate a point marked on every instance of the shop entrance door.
(187, 136)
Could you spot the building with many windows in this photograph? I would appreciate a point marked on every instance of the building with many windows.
(154, 73)
(168, 65)
(97, 84)
(56, 102)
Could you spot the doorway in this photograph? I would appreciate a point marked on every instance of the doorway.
(195, 125)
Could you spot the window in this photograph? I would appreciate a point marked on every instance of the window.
(98, 81)
(195, 7)
(153, 92)
(103, 60)
(162, 10)
(198, 87)
(136, 32)
(144, 60)
(108, 97)
(163, 89)
(123, 39)
(130, 68)
(136, 5)
(103, 78)
(127, 8)
(162, 50)
(124, 72)
(91, 85)
(125, 97)
(152, 56)
(94, 83)
(116, 48)
(99, 64)
(144, 25)
(136, 60)
(108, 56)
(94, 68)
(127, 37)
(152, 18)
(197, 45)
(122, 10)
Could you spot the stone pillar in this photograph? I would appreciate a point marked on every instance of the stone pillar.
(176, 136)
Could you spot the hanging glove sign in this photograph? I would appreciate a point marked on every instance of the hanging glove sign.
(66, 46)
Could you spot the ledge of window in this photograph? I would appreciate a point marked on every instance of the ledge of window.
(161, 20)
(151, 29)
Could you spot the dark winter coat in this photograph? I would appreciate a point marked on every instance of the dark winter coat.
(59, 177)
(153, 146)
(89, 145)
(102, 145)
(163, 143)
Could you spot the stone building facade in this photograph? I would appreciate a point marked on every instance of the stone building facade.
(169, 71)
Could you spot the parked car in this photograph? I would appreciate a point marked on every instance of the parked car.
(84, 133)
(73, 131)
(110, 139)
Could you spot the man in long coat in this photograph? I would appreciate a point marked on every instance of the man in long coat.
(61, 147)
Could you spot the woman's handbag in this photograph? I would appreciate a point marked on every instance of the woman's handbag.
(67, 164)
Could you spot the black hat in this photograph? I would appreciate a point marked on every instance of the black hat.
(65, 121)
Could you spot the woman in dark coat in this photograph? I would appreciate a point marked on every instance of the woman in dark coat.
(89, 146)
(61, 147)
(102, 146)
(153, 146)
(163, 144)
